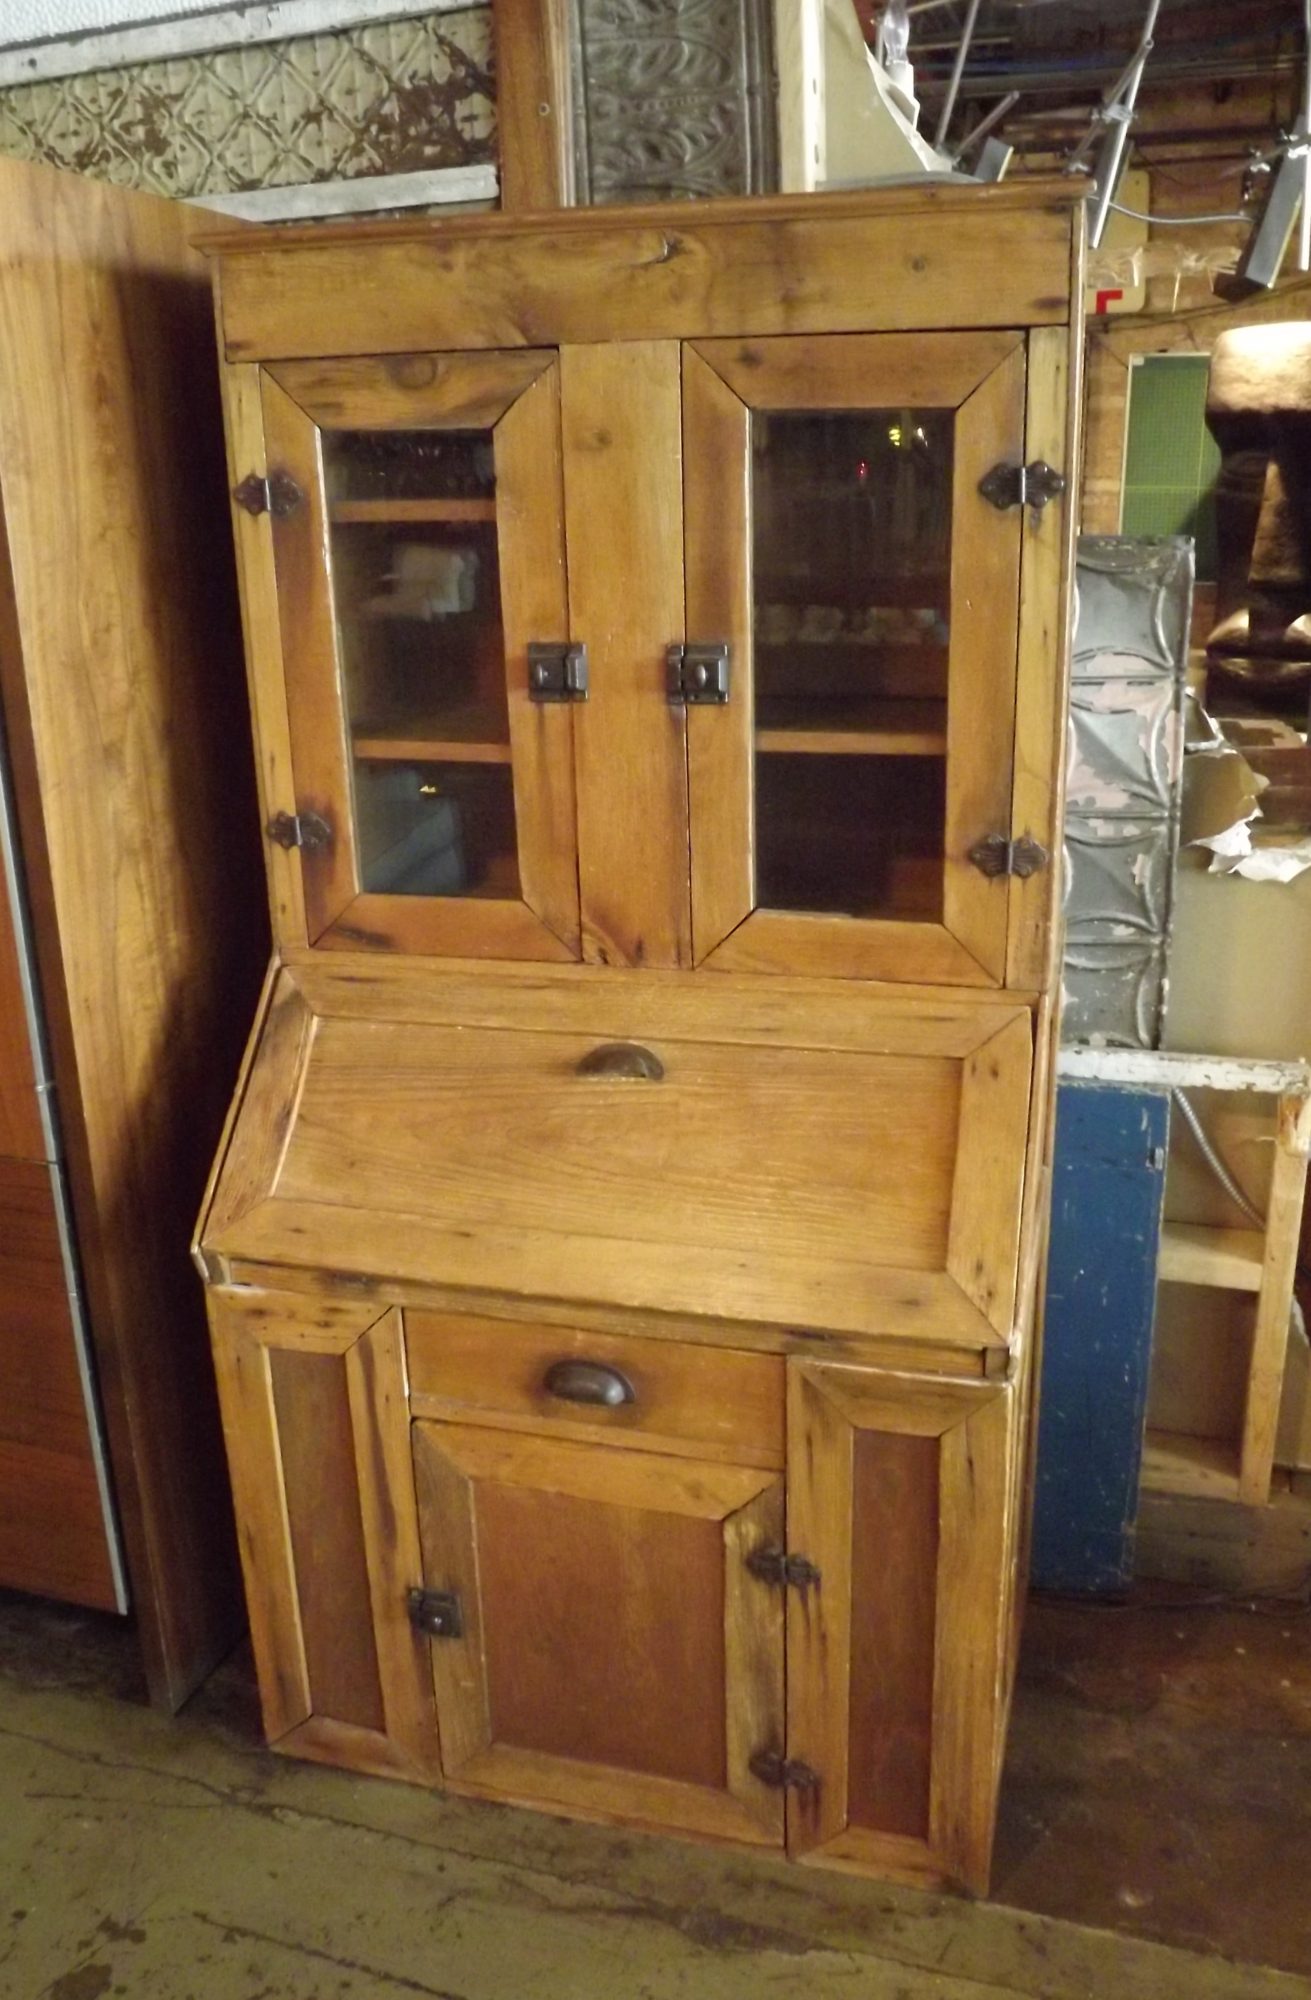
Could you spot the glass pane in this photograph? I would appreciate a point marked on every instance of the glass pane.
(416, 592)
(851, 606)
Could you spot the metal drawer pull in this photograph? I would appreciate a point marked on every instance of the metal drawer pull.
(624, 1060)
(588, 1382)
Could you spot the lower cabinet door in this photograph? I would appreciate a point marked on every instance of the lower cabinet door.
(901, 1494)
(606, 1646)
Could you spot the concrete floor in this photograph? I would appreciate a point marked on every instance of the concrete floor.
(1156, 1815)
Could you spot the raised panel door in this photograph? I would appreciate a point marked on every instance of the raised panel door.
(616, 1655)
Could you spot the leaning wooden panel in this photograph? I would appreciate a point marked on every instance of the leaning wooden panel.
(827, 264)
(1271, 1335)
(128, 741)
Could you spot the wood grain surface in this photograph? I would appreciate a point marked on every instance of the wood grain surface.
(130, 746)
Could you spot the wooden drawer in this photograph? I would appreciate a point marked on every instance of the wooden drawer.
(703, 1402)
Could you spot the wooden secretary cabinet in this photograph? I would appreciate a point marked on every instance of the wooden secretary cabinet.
(622, 1252)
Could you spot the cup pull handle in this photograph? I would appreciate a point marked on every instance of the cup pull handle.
(625, 1060)
(588, 1382)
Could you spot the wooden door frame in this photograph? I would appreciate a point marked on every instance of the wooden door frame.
(977, 1426)
(449, 1459)
(514, 394)
(981, 376)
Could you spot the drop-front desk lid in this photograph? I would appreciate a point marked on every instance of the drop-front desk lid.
(681, 1143)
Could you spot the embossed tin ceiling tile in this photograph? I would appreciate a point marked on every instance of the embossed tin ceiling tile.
(1133, 597)
(676, 98)
(1127, 748)
(382, 98)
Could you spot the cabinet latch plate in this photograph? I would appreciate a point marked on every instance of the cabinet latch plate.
(1030, 485)
(557, 672)
(276, 494)
(438, 1614)
(996, 855)
(783, 1773)
(307, 830)
(698, 673)
(774, 1565)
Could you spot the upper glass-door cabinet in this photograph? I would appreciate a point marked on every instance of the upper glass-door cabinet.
(418, 538)
(850, 797)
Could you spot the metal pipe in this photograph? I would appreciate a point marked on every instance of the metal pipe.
(957, 68)
(993, 117)
(1120, 118)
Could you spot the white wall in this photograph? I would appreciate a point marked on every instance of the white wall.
(40, 20)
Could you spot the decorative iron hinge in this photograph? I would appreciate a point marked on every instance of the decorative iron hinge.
(278, 494)
(436, 1613)
(299, 830)
(1022, 485)
(996, 855)
(783, 1773)
(698, 673)
(774, 1565)
(557, 673)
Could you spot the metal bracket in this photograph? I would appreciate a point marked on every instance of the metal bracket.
(436, 1613)
(996, 855)
(783, 1773)
(1022, 485)
(698, 673)
(774, 1565)
(306, 830)
(557, 672)
(278, 494)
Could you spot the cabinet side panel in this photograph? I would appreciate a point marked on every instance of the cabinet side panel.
(894, 1560)
(327, 1536)
(624, 531)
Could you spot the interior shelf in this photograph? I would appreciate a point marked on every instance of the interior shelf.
(1230, 1259)
(1206, 1468)
(456, 736)
(840, 728)
(412, 510)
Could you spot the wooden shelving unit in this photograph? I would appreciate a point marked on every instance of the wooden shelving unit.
(472, 734)
(1191, 1254)
(455, 512)
(854, 728)
(1205, 1468)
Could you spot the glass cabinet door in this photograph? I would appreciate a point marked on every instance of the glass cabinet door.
(868, 592)
(417, 515)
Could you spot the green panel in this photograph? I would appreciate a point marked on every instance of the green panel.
(1171, 460)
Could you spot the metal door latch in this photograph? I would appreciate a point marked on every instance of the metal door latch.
(557, 672)
(436, 1613)
(698, 673)
(276, 494)
(773, 1565)
(306, 830)
(996, 855)
(783, 1773)
(1022, 485)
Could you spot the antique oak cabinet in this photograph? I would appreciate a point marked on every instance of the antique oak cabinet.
(622, 1254)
